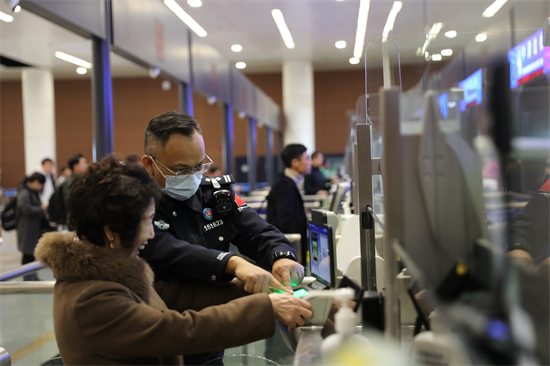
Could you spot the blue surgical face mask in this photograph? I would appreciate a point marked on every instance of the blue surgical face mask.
(181, 187)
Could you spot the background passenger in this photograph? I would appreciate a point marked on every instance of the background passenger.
(106, 311)
(285, 207)
(315, 182)
(49, 185)
(64, 173)
(30, 216)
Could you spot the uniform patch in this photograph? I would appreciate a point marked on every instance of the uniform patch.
(212, 226)
(208, 214)
(162, 225)
(239, 200)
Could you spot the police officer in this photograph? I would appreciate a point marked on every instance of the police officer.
(197, 217)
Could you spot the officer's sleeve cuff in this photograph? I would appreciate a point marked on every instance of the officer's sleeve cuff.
(221, 262)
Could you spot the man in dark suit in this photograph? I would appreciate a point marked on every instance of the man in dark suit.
(285, 207)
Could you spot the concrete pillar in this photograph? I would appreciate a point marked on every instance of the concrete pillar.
(299, 103)
(38, 117)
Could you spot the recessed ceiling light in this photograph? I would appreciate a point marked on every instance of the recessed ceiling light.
(240, 65)
(446, 52)
(74, 60)
(450, 34)
(283, 28)
(236, 48)
(5, 17)
(362, 18)
(184, 17)
(436, 57)
(340, 44)
(194, 3)
(493, 8)
(81, 70)
(354, 60)
(481, 37)
(17, 9)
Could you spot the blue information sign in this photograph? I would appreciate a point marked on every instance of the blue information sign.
(473, 90)
(528, 60)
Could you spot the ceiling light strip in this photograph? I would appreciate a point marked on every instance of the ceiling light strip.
(74, 60)
(395, 9)
(364, 7)
(493, 8)
(283, 28)
(186, 18)
(432, 34)
(6, 17)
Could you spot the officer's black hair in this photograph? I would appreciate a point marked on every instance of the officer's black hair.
(292, 151)
(162, 126)
(47, 160)
(74, 160)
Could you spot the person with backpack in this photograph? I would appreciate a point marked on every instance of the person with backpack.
(30, 215)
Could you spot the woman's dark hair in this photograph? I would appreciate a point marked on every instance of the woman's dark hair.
(110, 193)
(35, 176)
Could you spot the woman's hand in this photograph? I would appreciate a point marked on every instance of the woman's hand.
(290, 310)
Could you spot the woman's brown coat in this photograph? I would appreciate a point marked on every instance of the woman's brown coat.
(106, 311)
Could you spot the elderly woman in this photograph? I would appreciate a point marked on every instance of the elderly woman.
(105, 308)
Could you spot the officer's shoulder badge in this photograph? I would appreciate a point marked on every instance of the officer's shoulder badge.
(208, 214)
(162, 225)
(214, 181)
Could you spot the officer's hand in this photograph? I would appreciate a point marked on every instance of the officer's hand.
(288, 272)
(290, 310)
(256, 280)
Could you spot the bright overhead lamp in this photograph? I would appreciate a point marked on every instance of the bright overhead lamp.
(81, 70)
(340, 44)
(236, 48)
(481, 37)
(450, 34)
(362, 18)
(6, 17)
(446, 52)
(74, 60)
(240, 65)
(17, 9)
(436, 57)
(194, 3)
(396, 7)
(493, 8)
(186, 18)
(283, 29)
(432, 34)
(354, 60)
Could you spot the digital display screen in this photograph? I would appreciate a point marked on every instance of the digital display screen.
(473, 90)
(319, 257)
(528, 60)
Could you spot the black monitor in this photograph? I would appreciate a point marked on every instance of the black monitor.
(321, 257)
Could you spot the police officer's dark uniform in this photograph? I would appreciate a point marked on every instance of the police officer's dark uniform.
(192, 238)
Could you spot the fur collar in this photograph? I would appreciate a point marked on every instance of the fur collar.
(73, 260)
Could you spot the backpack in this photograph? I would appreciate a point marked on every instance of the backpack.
(56, 207)
(9, 220)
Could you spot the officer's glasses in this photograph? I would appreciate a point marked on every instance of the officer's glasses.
(201, 169)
